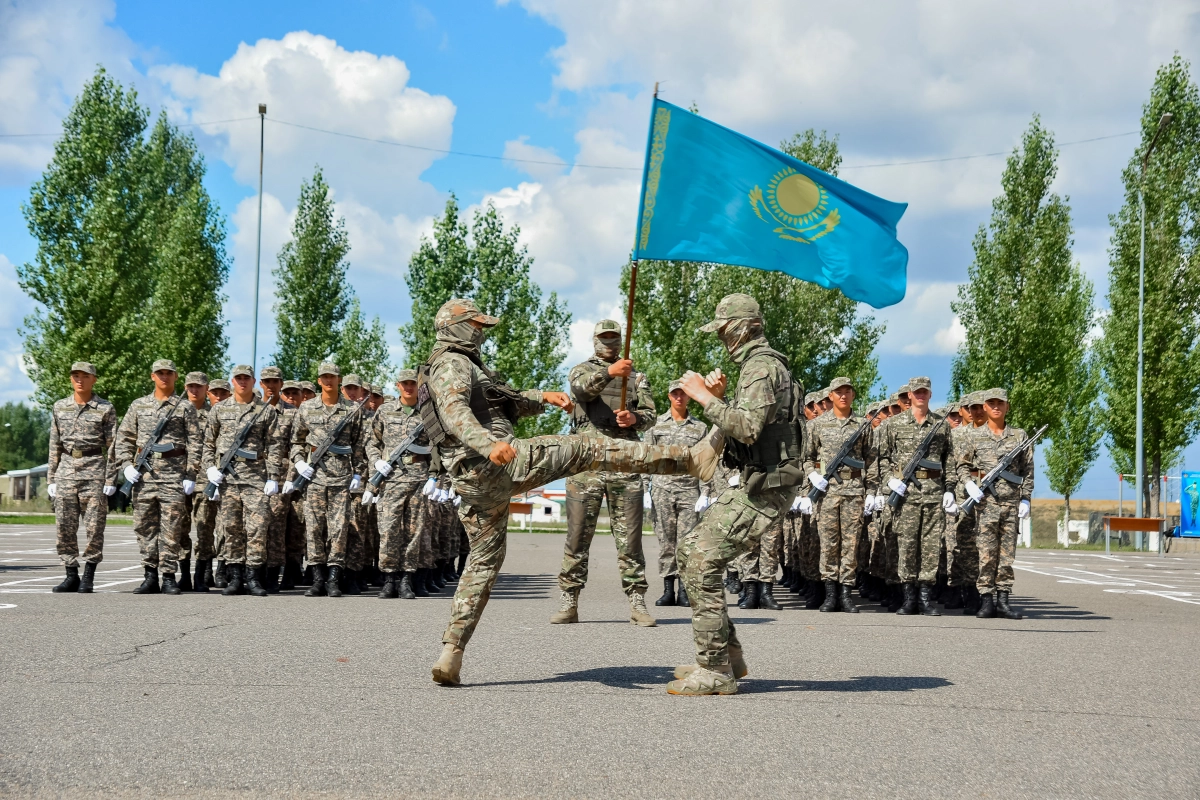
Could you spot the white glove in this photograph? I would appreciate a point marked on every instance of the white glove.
(818, 480)
(271, 488)
(796, 504)
(453, 494)
(701, 503)
(109, 491)
(383, 467)
(442, 496)
(1023, 509)
(735, 479)
(132, 475)
(304, 469)
(974, 491)
(216, 495)
(189, 487)
(288, 487)
(430, 487)
(948, 504)
(806, 506)
(52, 490)
(868, 505)
(897, 486)
(367, 497)
(214, 476)
(355, 482)
(880, 500)
(647, 502)
(457, 501)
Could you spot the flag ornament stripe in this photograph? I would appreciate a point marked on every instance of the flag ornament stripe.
(658, 148)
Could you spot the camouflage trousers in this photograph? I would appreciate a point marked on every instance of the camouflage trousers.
(76, 499)
(328, 519)
(277, 507)
(295, 534)
(731, 526)
(999, 527)
(839, 525)
(674, 515)
(244, 514)
(877, 562)
(963, 569)
(918, 526)
(403, 514)
(486, 489)
(202, 520)
(442, 541)
(808, 547)
(623, 494)
(159, 511)
(356, 534)
(762, 562)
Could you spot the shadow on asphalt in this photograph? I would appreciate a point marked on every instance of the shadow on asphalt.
(27, 568)
(1036, 608)
(524, 587)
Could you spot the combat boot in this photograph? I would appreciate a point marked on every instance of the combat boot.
(448, 573)
(220, 579)
(681, 595)
(446, 670)
(953, 598)
(271, 579)
(568, 610)
(209, 578)
(254, 581)
(925, 601)
(909, 606)
(846, 603)
(349, 582)
(704, 681)
(733, 584)
(89, 574)
(435, 578)
(333, 584)
(751, 598)
(766, 597)
(987, 606)
(317, 589)
(169, 586)
(200, 580)
(971, 600)
(291, 571)
(185, 574)
(638, 613)
(462, 564)
(405, 588)
(668, 595)
(895, 597)
(1003, 609)
(70, 583)
(233, 580)
(149, 584)
(831, 597)
(737, 663)
(388, 592)
(418, 584)
(816, 595)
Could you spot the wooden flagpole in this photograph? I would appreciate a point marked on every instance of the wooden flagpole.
(629, 305)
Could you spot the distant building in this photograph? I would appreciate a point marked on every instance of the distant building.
(533, 509)
(24, 484)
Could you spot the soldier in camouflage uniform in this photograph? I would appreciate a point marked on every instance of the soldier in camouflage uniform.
(808, 547)
(999, 516)
(218, 390)
(161, 496)
(270, 378)
(202, 513)
(328, 516)
(469, 413)
(757, 568)
(966, 557)
(81, 475)
(676, 500)
(252, 478)
(294, 537)
(353, 579)
(596, 392)
(919, 519)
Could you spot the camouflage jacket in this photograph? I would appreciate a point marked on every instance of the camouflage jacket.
(392, 423)
(899, 439)
(225, 420)
(826, 435)
(82, 438)
(686, 434)
(182, 431)
(313, 423)
(763, 393)
(287, 423)
(589, 379)
(981, 450)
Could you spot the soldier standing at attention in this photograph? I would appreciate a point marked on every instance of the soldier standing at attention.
(295, 541)
(161, 496)
(81, 475)
(307, 391)
(202, 513)
(596, 393)
(270, 378)
(354, 390)
(676, 500)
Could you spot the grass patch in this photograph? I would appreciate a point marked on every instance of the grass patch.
(48, 519)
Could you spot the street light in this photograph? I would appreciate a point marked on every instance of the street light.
(262, 126)
(1140, 447)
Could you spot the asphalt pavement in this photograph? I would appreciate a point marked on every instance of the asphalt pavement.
(1094, 694)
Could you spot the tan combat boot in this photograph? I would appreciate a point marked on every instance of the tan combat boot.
(638, 613)
(737, 663)
(569, 610)
(704, 455)
(703, 680)
(447, 668)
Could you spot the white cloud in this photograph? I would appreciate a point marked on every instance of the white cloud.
(15, 385)
(539, 163)
(922, 323)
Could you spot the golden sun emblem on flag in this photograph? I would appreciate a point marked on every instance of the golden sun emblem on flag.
(797, 204)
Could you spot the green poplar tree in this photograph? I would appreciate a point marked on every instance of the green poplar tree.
(1077, 434)
(363, 347)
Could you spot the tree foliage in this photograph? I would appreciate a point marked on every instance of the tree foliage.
(24, 436)
(363, 347)
(1077, 434)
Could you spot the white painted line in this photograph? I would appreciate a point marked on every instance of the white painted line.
(1098, 575)
(7, 605)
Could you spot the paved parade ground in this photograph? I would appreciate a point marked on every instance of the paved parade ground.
(1093, 694)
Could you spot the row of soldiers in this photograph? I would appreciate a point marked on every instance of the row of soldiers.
(251, 446)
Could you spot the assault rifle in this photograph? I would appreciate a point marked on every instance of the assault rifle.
(409, 445)
(833, 468)
(152, 445)
(918, 461)
(301, 483)
(988, 484)
(235, 450)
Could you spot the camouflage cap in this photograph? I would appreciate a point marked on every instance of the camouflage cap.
(606, 326)
(460, 310)
(242, 369)
(973, 399)
(406, 375)
(308, 386)
(84, 366)
(328, 368)
(953, 407)
(920, 382)
(903, 390)
(289, 385)
(994, 394)
(377, 390)
(838, 383)
(270, 372)
(219, 383)
(352, 380)
(893, 399)
(733, 306)
(673, 385)
(810, 398)
(163, 364)
(872, 408)
(196, 378)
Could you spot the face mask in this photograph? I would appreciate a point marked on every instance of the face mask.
(463, 333)
(737, 333)
(607, 348)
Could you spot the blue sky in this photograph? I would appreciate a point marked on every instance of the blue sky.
(553, 80)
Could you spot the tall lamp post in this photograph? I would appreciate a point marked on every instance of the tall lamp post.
(262, 123)
(1140, 447)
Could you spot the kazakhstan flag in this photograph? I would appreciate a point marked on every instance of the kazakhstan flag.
(712, 194)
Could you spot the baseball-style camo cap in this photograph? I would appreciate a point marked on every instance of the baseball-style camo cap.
(953, 407)
(919, 383)
(327, 368)
(903, 390)
(290, 385)
(163, 364)
(733, 306)
(377, 390)
(459, 309)
(673, 385)
(838, 383)
(994, 394)
(219, 383)
(606, 326)
(352, 380)
(84, 366)
(271, 372)
(810, 398)
(196, 379)
(242, 369)
(308, 386)
(406, 375)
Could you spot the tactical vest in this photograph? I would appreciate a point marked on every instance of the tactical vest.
(774, 460)
(490, 398)
(602, 411)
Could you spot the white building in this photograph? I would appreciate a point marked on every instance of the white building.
(530, 510)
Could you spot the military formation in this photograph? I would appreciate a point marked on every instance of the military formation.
(337, 486)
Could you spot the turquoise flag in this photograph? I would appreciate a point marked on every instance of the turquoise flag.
(712, 194)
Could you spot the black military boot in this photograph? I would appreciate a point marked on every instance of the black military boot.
(233, 580)
(952, 598)
(333, 584)
(388, 592)
(448, 573)
(668, 595)
(925, 601)
(434, 577)
(254, 578)
(733, 584)
(909, 606)
(987, 607)
(209, 578)
(940, 588)
(220, 579)
(816, 595)
(291, 571)
(317, 588)
(70, 583)
(831, 597)
(271, 579)
(308, 575)
(801, 585)
(149, 584)
(462, 564)
(169, 586)
(200, 580)
(895, 595)
(89, 574)
(750, 600)
(766, 597)
(417, 578)
(846, 602)
(1003, 609)
(349, 583)
(185, 574)
(681, 597)
(405, 589)
(971, 600)
(430, 585)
